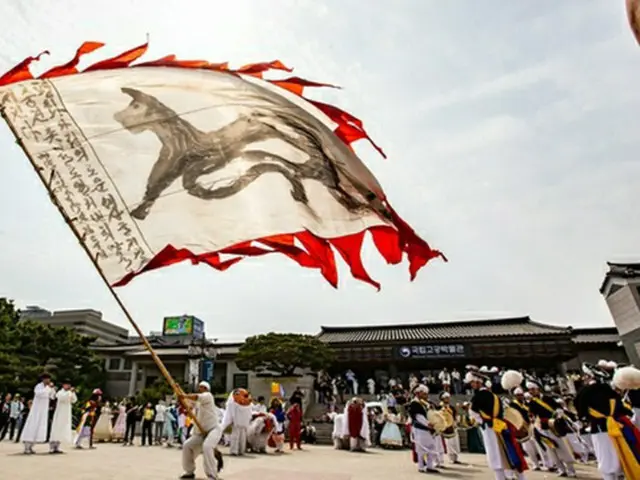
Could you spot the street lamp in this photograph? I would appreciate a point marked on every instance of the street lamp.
(199, 350)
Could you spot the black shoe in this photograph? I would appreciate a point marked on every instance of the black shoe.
(432, 470)
(188, 475)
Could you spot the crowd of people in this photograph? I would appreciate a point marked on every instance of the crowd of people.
(192, 422)
(333, 390)
(521, 421)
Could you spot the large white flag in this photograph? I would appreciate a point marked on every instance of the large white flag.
(178, 160)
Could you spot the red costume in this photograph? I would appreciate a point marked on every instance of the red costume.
(294, 414)
(355, 419)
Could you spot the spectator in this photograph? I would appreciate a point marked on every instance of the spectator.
(456, 380)
(148, 413)
(445, 380)
(159, 419)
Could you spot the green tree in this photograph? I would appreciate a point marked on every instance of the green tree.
(28, 348)
(283, 353)
(155, 392)
(9, 361)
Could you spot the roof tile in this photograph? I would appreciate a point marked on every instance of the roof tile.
(522, 326)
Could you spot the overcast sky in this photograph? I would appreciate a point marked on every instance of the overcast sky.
(511, 130)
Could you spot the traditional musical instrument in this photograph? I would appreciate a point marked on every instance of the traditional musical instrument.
(522, 427)
(437, 420)
(449, 430)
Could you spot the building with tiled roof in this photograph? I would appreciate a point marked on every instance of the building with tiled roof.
(399, 348)
(517, 342)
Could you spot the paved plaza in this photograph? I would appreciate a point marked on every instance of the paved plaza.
(114, 462)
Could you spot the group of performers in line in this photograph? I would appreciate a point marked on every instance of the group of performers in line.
(535, 430)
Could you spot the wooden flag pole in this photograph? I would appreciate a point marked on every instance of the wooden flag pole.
(94, 260)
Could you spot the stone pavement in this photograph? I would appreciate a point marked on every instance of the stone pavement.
(114, 462)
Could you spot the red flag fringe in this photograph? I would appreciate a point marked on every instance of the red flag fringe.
(318, 253)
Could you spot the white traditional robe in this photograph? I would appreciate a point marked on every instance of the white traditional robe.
(453, 447)
(35, 427)
(338, 433)
(61, 425)
(258, 434)
(495, 459)
(439, 443)
(363, 441)
(239, 418)
(424, 443)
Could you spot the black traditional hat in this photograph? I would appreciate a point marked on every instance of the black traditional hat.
(475, 373)
(596, 371)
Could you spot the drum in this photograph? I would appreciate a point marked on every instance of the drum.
(521, 426)
(514, 417)
(437, 420)
(449, 430)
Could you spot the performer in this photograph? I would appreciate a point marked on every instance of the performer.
(88, 420)
(530, 446)
(616, 440)
(439, 442)
(120, 427)
(422, 431)
(356, 425)
(103, 431)
(576, 442)
(294, 415)
(337, 435)
(468, 422)
(202, 442)
(35, 427)
(391, 435)
(61, 424)
(549, 413)
(277, 438)
(451, 437)
(259, 431)
(504, 454)
(238, 416)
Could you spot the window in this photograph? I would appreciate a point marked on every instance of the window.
(128, 364)
(114, 364)
(240, 380)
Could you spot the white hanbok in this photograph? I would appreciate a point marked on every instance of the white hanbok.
(238, 417)
(363, 440)
(61, 428)
(35, 427)
(495, 458)
(424, 444)
(391, 435)
(606, 455)
(339, 441)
